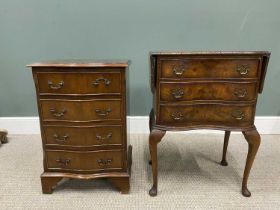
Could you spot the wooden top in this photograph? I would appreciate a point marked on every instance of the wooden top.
(81, 63)
(266, 53)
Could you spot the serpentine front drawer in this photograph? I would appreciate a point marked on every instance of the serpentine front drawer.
(80, 110)
(84, 161)
(208, 90)
(83, 136)
(93, 83)
(240, 115)
(207, 67)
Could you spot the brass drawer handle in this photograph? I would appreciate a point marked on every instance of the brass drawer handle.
(178, 71)
(104, 162)
(60, 139)
(178, 93)
(103, 113)
(56, 113)
(99, 137)
(177, 116)
(63, 162)
(240, 93)
(243, 69)
(55, 87)
(238, 115)
(97, 81)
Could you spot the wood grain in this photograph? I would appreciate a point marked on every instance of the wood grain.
(82, 109)
(206, 90)
(81, 63)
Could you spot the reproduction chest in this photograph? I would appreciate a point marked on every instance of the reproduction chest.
(82, 110)
(206, 90)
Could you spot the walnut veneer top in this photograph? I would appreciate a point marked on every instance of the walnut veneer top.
(210, 53)
(81, 63)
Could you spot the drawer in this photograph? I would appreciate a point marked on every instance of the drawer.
(207, 114)
(209, 68)
(84, 161)
(83, 136)
(208, 90)
(79, 83)
(80, 110)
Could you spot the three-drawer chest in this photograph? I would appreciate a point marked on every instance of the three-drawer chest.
(206, 90)
(82, 110)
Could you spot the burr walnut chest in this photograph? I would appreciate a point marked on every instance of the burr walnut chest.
(206, 90)
(82, 109)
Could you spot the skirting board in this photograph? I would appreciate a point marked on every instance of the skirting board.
(135, 124)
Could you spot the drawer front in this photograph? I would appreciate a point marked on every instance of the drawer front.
(209, 68)
(83, 136)
(84, 110)
(207, 114)
(187, 91)
(79, 83)
(84, 161)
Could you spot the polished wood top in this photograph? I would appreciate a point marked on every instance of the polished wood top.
(81, 63)
(266, 53)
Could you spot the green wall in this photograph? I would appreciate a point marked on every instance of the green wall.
(34, 30)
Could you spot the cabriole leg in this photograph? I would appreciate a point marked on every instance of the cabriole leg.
(226, 139)
(254, 140)
(154, 138)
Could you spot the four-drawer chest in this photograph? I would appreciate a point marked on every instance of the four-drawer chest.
(82, 109)
(206, 90)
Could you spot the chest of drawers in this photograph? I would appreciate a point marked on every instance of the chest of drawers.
(206, 90)
(82, 110)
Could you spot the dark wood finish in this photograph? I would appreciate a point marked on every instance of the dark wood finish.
(76, 63)
(209, 90)
(94, 83)
(206, 114)
(119, 179)
(121, 183)
(3, 136)
(49, 183)
(83, 136)
(154, 139)
(89, 161)
(82, 109)
(226, 139)
(207, 68)
(215, 90)
(77, 110)
(253, 138)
